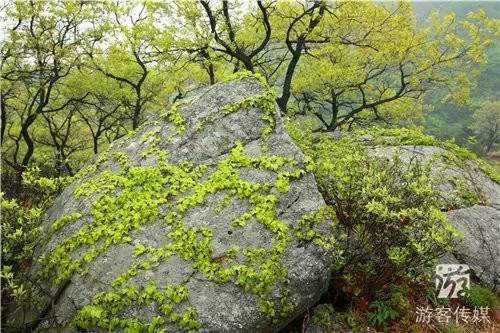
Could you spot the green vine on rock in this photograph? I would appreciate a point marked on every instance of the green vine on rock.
(175, 117)
(264, 101)
(61, 222)
(248, 74)
(104, 310)
(128, 199)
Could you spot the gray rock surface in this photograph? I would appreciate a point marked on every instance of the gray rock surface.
(474, 179)
(480, 248)
(209, 136)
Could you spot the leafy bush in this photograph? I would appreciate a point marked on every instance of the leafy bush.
(391, 212)
(21, 232)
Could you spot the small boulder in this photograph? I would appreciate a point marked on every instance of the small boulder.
(459, 180)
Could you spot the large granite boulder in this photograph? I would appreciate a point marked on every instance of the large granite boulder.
(204, 220)
(474, 203)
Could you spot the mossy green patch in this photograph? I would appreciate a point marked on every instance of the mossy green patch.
(61, 222)
(106, 307)
(305, 230)
(175, 117)
(264, 101)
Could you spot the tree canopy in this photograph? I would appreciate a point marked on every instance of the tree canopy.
(77, 75)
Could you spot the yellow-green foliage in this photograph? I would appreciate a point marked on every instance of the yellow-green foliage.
(175, 117)
(20, 232)
(391, 209)
(105, 307)
(305, 230)
(246, 74)
(45, 187)
(264, 101)
(376, 79)
(324, 316)
(59, 223)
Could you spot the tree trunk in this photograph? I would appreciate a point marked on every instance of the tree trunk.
(287, 84)
(30, 148)
(136, 116)
(3, 116)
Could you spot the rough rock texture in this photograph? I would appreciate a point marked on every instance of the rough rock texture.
(208, 138)
(475, 180)
(480, 224)
(480, 248)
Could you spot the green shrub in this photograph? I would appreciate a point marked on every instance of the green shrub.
(477, 296)
(324, 316)
(391, 212)
(20, 233)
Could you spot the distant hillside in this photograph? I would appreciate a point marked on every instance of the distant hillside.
(449, 121)
(461, 8)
